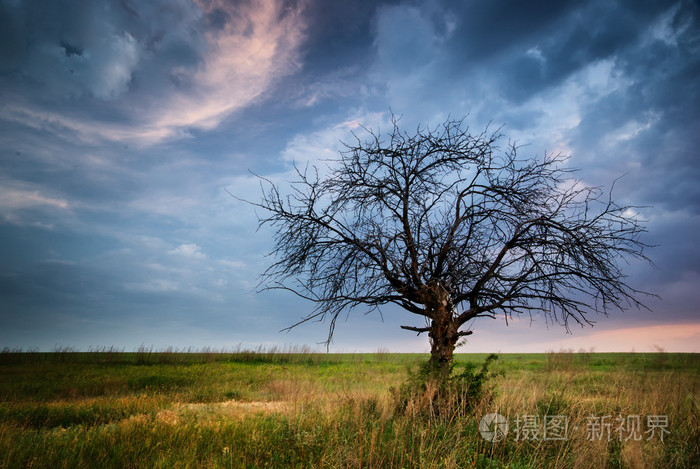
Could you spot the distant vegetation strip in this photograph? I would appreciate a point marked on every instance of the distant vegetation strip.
(306, 354)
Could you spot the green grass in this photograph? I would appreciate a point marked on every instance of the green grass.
(269, 408)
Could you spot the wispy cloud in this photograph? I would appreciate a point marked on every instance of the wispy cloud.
(256, 45)
(16, 198)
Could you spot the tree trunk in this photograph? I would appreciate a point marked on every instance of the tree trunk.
(443, 339)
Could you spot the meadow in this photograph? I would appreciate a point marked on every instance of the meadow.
(295, 408)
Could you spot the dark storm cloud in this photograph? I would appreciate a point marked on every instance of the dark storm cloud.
(337, 53)
(339, 34)
(534, 45)
(486, 30)
(650, 129)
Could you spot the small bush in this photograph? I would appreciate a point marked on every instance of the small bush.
(429, 393)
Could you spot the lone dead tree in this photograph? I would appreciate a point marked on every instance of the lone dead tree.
(451, 228)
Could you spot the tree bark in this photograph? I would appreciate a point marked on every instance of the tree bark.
(443, 340)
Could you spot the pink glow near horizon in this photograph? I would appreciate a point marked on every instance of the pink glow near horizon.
(669, 338)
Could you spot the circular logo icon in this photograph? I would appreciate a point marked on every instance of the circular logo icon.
(493, 427)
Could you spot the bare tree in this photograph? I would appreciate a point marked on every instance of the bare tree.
(450, 227)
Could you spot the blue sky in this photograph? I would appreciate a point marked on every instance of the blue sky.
(123, 124)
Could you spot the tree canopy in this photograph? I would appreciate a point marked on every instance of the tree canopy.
(450, 226)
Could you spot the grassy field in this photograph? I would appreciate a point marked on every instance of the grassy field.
(274, 409)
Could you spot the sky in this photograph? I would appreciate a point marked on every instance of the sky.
(125, 126)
